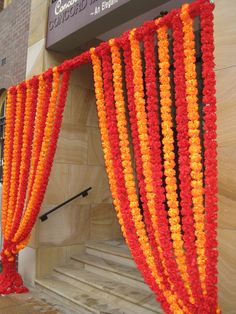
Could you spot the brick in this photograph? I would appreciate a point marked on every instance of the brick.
(14, 26)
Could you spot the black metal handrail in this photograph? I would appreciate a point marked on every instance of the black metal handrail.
(83, 194)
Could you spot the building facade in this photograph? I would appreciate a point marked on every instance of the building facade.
(79, 160)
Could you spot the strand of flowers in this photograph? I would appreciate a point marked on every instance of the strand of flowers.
(44, 93)
(208, 74)
(139, 163)
(10, 279)
(194, 141)
(169, 156)
(104, 135)
(184, 162)
(124, 143)
(51, 134)
(16, 156)
(28, 130)
(139, 170)
(156, 164)
(143, 135)
(41, 171)
(131, 222)
(8, 148)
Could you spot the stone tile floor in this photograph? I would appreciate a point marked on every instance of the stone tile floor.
(34, 302)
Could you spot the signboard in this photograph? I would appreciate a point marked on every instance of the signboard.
(68, 17)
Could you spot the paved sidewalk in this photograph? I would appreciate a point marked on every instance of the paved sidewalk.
(34, 302)
(23, 304)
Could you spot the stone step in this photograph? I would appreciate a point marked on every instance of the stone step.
(110, 269)
(90, 299)
(81, 277)
(114, 250)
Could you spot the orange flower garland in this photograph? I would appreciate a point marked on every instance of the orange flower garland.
(16, 156)
(8, 148)
(184, 162)
(126, 156)
(143, 241)
(143, 136)
(42, 107)
(29, 117)
(169, 156)
(104, 135)
(194, 141)
(156, 250)
(21, 232)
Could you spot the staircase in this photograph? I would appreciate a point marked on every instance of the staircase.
(103, 280)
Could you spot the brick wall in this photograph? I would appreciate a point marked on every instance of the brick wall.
(1, 5)
(14, 26)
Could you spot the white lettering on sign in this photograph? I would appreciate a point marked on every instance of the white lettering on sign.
(108, 4)
(59, 8)
(105, 5)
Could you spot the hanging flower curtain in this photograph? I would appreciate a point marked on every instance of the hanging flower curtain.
(33, 119)
(173, 240)
(173, 237)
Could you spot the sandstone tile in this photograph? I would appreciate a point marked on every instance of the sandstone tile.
(102, 220)
(57, 189)
(227, 172)
(226, 214)
(225, 39)
(35, 58)
(38, 23)
(82, 177)
(72, 145)
(227, 271)
(95, 152)
(226, 95)
(67, 226)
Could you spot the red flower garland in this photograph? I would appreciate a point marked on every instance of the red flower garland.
(210, 162)
(126, 214)
(8, 149)
(184, 165)
(16, 157)
(138, 161)
(45, 87)
(28, 130)
(157, 171)
(48, 160)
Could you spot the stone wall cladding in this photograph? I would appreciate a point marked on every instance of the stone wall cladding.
(14, 26)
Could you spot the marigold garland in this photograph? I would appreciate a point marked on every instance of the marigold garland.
(146, 157)
(51, 132)
(139, 164)
(139, 168)
(16, 156)
(194, 141)
(45, 85)
(28, 130)
(8, 148)
(126, 158)
(169, 156)
(179, 268)
(184, 161)
(210, 172)
(136, 241)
